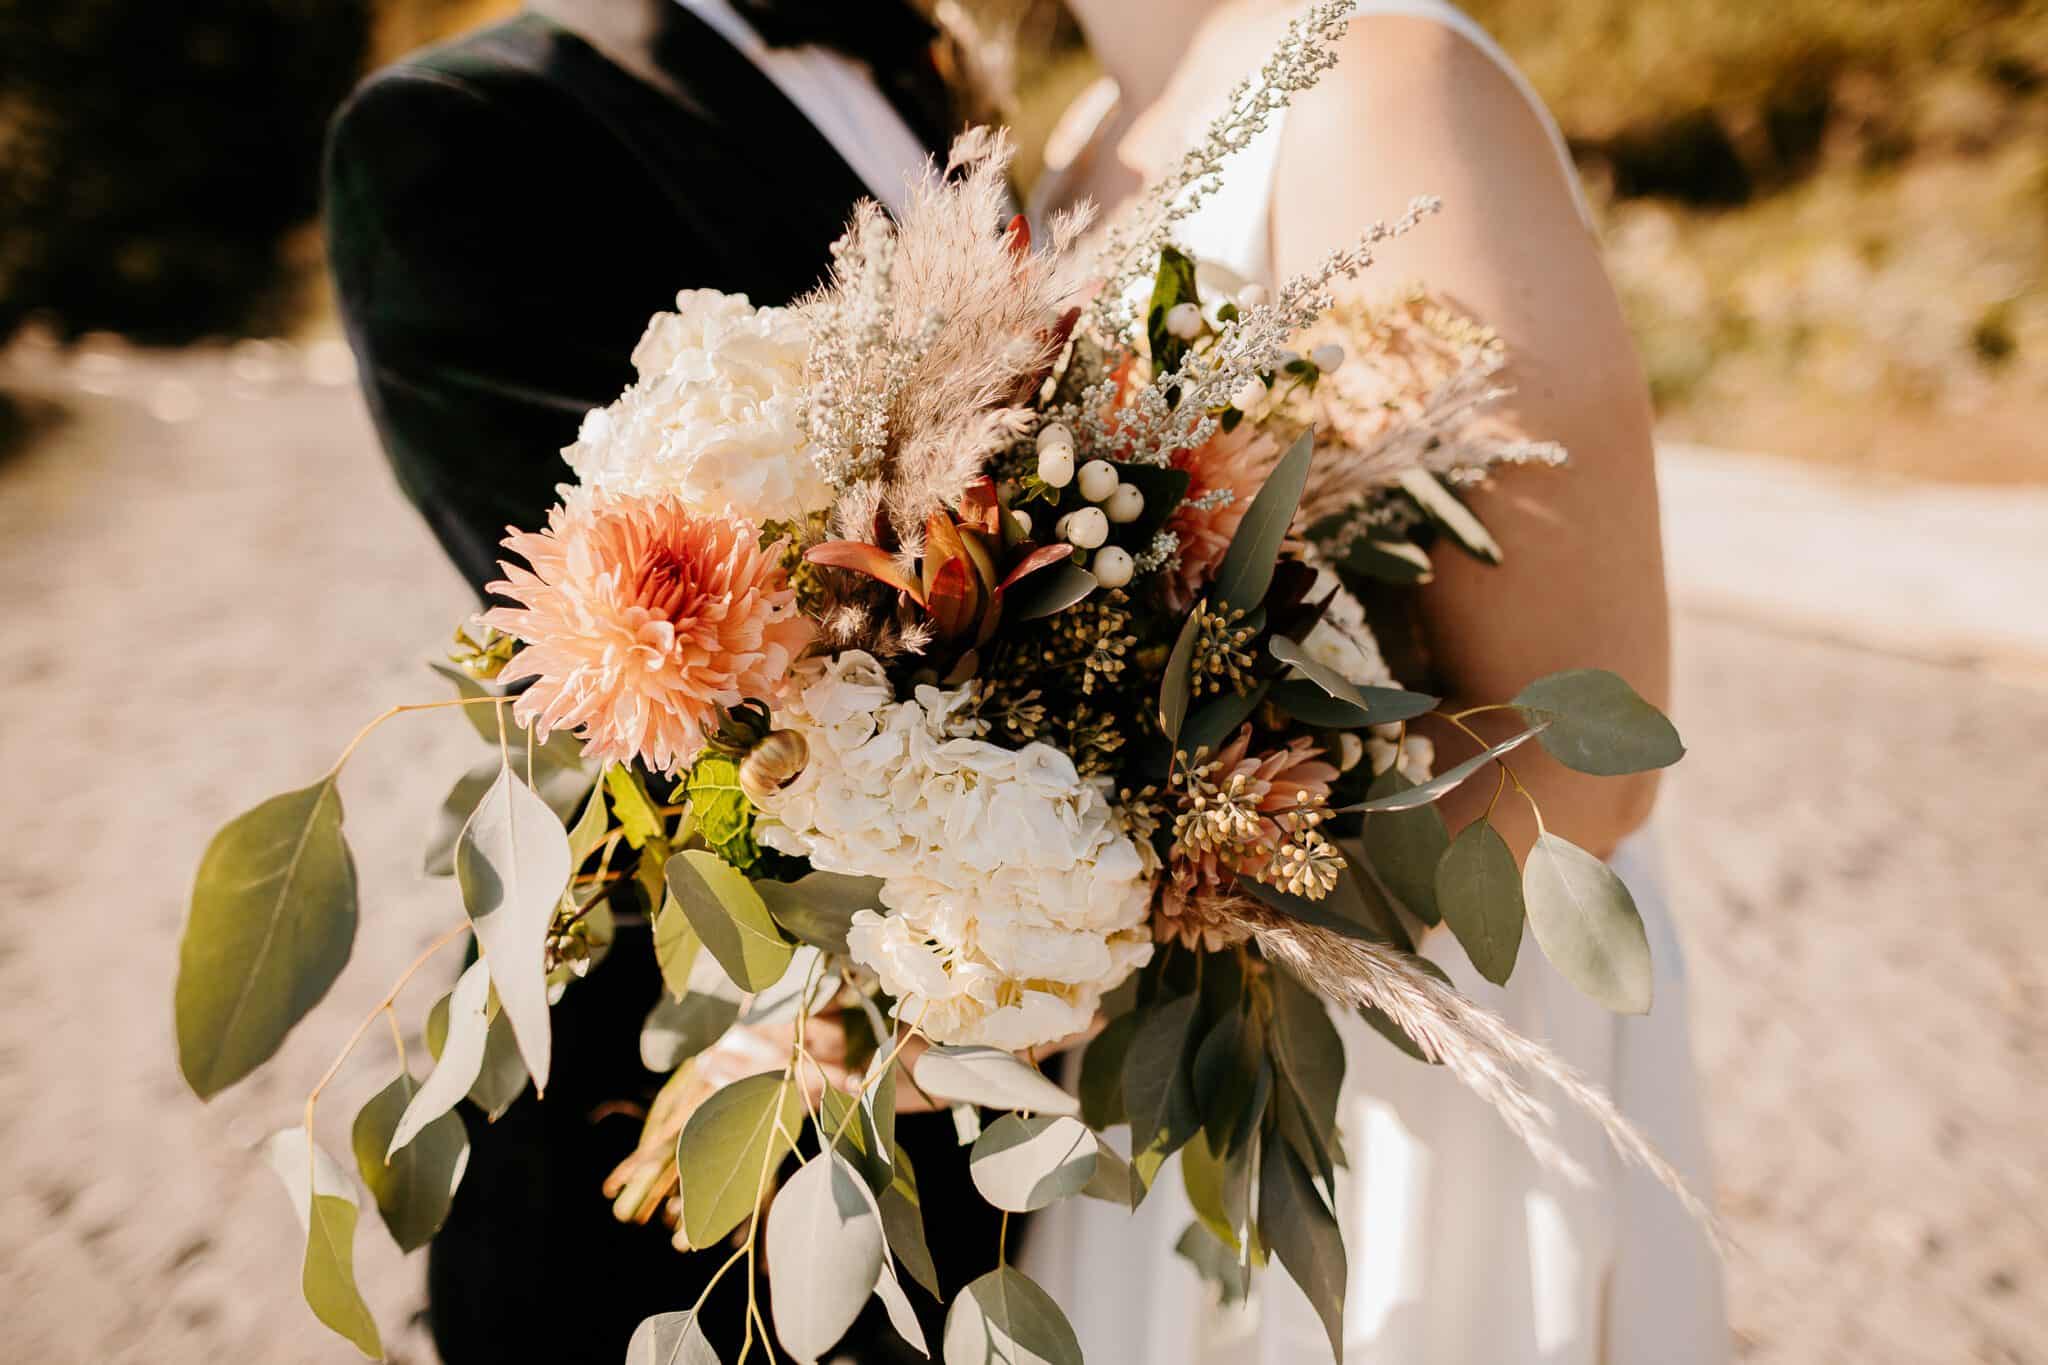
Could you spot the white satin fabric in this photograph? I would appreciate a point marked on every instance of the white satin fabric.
(1461, 1250)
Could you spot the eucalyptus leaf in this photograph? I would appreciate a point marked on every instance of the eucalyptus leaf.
(670, 1339)
(741, 1132)
(326, 1207)
(1247, 568)
(990, 1077)
(1371, 705)
(903, 1220)
(1436, 787)
(1176, 685)
(1215, 1263)
(512, 864)
(1587, 924)
(1102, 1072)
(819, 907)
(1159, 1090)
(1023, 1164)
(1004, 1319)
(1443, 507)
(825, 1252)
(730, 917)
(591, 824)
(502, 1077)
(677, 1030)
(1479, 889)
(1300, 1229)
(1405, 846)
(272, 922)
(1113, 1181)
(414, 1186)
(1598, 724)
(676, 946)
(1209, 727)
(896, 1303)
(1051, 589)
(636, 811)
(459, 1060)
(1203, 1176)
(1402, 563)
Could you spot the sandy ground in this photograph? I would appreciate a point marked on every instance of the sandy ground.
(211, 581)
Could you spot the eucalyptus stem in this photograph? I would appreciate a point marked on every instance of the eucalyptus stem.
(402, 709)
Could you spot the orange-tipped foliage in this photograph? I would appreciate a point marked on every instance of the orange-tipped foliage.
(867, 559)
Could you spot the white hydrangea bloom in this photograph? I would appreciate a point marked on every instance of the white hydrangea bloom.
(1342, 641)
(1012, 900)
(716, 414)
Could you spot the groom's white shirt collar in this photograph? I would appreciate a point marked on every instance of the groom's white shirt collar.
(839, 98)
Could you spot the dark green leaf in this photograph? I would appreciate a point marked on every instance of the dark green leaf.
(1159, 1088)
(1405, 846)
(1299, 1228)
(1051, 589)
(1217, 721)
(273, 919)
(670, 1339)
(990, 1077)
(1370, 705)
(1215, 1262)
(1163, 488)
(677, 1030)
(512, 864)
(1102, 1073)
(818, 908)
(824, 1248)
(1359, 898)
(1308, 1051)
(1480, 890)
(1176, 685)
(743, 1130)
(1226, 1079)
(1004, 1319)
(1587, 924)
(1114, 1181)
(903, 1220)
(1434, 789)
(414, 1186)
(1023, 1164)
(1598, 724)
(326, 1206)
(730, 917)
(1399, 562)
(1247, 568)
(1172, 285)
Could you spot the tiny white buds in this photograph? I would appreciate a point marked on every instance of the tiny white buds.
(1184, 321)
(1252, 296)
(1126, 504)
(1327, 357)
(1086, 528)
(1098, 480)
(1248, 398)
(1021, 519)
(1112, 567)
(1056, 466)
(1055, 434)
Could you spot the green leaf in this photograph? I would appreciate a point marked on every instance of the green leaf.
(1051, 589)
(1443, 507)
(1219, 1190)
(677, 1030)
(1217, 721)
(1159, 1090)
(1587, 924)
(1226, 1079)
(1299, 1228)
(637, 813)
(730, 917)
(1023, 1164)
(1114, 1181)
(723, 814)
(903, 1220)
(1004, 1319)
(670, 1339)
(415, 1186)
(1174, 284)
(273, 919)
(326, 1207)
(1399, 562)
(819, 907)
(990, 1077)
(564, 789)
(1370, 705)
(896, 1304)
(1308, 1051)
(590, 827)
(502, 1077)
(1215, 1263)
(1598, 724)
(1480, 890)
(825, 1251)
(1405, 846)
(1434, 789)
(1359, 898)
(512, 864)
(458, 1060)
(675, 946)
(1102, 1073)
(741, 1130)
(1385, 1026)
(1247, 568)
(1176, 685)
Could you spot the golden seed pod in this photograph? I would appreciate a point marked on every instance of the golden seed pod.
(773, 764)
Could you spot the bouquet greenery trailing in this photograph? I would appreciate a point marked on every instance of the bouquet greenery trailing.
(979, 652)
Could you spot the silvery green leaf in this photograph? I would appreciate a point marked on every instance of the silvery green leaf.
(670, 1339)
(676, 948)
(779, 1003)
(903, 1221)
(591, 824)
(1479, 889)
(502, 1077)
(1404, 847)
(1299, 1229)
(512, 864)
(1370, 705)
(896, 1304)
(272, 922)
(1436, 787)
(1176, 685)
(1215, 1263)
(990, 1077)
(1598, 724)
(1004, 1319)
(1052, 589)
(1023, 1164)
(1587, 924)
(677, 1030)
(326, 1207)
(817, 908)
(1114, 1182)
(743, 1129)
(414, 1186)
(1400, 562)
(730, 917)
(825, 1252)
(1247, 568)
(459, 1061)
(1159, 1090)
(1442, 506)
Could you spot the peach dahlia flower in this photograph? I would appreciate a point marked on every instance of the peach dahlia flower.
(640, 617)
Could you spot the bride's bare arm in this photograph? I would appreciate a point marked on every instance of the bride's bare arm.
(1415, 108)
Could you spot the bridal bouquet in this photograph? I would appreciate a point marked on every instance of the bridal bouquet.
(978, 650)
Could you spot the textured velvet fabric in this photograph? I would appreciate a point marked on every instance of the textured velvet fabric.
(504, 213)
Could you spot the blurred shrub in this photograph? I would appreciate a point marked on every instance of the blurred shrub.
(153, 157)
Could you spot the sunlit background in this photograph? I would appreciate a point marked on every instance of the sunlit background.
(1829, 221)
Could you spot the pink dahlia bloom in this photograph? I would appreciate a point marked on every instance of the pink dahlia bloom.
(640, 617)
(1225, 474)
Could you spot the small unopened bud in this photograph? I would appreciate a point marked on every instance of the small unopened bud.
(1055, 434)
(1112, 567)
(1098, 480)
(1086, 528)
(1184, 321)
(1056, 466)
(1125, 505)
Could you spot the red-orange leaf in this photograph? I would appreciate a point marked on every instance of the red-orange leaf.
(1036, 560)
(954, 598)
(1019, 233)
(978, 506)
(871, 560)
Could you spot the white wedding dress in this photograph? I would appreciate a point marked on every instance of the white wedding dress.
(1461, 1250)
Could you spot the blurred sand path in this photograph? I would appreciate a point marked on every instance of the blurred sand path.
(199, 611)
